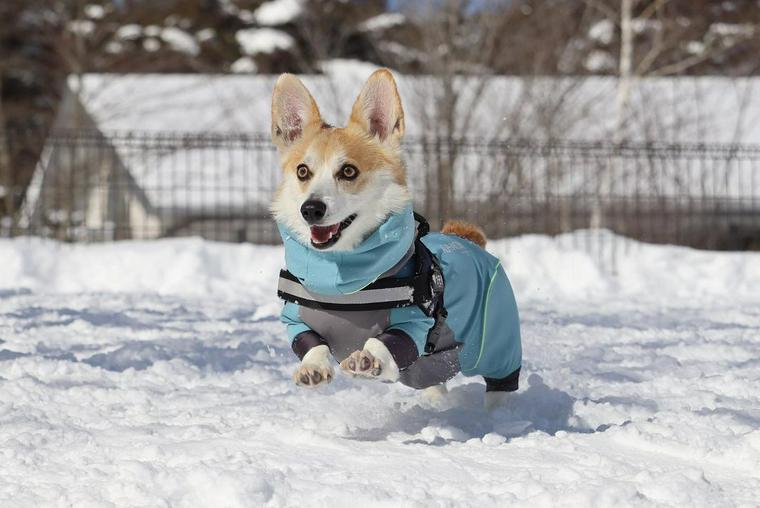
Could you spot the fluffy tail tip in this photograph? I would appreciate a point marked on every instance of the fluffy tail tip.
(465, 230)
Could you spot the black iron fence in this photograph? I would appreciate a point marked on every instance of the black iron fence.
(90, 186)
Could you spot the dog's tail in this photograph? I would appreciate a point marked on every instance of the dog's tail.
(465, 230)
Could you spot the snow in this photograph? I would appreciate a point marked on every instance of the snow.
(400, 52)
(645, 25)
(205, 34)
(94, 11)
(82, 27)
(278, 12)
(129, 32)
(157, 374)
(598, 61)
(152, 31)
(181, 41)
(677, 110)
(151, 45)
(602, 31)
(383, 21)
(349, 68)
(733, 29)
(243, 65)
(246, 16)
(696, 47)
(179, 180)
(263, 40)
(229, 7)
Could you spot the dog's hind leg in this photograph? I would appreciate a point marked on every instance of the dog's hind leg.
(435, 394)
(498, 391)
(493, 401)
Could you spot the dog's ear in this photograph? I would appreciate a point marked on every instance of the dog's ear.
(378, 109)
(294, 111)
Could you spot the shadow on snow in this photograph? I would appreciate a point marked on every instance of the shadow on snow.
(537, 408)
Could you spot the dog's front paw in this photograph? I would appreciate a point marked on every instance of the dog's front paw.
(362, 363)
(315, 368)
(313, 375)
(373, 362)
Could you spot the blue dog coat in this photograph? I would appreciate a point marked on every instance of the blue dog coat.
(483, 330)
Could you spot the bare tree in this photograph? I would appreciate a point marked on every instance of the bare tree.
(669, 38)
(6, 172)
(21, 33)
(463, 48)
(455, 42)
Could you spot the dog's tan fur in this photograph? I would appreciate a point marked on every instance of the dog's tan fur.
(465, 230)
(370, 142)
(356, 141)
(357, 149)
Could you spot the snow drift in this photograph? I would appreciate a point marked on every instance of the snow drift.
(540, 268)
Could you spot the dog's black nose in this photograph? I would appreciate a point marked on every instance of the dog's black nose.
(313, 211)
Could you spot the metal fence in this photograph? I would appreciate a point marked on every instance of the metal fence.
(90, 186)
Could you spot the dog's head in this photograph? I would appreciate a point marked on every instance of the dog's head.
(339, 184)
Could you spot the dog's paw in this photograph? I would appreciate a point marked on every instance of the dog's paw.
(315, 368)
(373, 362)
(362, 363)
(313, 375)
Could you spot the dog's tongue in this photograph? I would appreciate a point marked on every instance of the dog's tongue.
(322, 234)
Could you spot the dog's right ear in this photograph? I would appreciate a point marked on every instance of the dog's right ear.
(294, 111)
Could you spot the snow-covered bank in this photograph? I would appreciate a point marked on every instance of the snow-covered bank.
(186, 267)
(156, 374)
(540, 267)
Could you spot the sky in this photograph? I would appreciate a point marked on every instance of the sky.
(397, 4)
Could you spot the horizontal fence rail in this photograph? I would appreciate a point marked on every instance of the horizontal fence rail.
(93, 186)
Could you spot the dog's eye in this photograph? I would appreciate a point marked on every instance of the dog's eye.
(348, 172)
(302, 172)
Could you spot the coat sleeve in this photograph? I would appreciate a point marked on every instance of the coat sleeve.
(302, 338)
(414, 323)
(290, 316)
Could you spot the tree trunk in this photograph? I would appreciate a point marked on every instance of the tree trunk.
(626, 66)
(446, 166)
(6, 171)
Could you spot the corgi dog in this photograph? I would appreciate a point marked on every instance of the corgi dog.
(345, 215)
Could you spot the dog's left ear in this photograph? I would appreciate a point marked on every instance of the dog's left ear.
(378, 109)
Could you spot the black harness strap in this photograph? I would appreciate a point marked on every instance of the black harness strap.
(429, 298)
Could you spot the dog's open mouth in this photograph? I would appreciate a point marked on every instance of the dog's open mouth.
(323, 237)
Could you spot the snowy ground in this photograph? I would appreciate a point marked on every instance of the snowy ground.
(157, 374)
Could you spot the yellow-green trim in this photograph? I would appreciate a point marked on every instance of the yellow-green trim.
(485, 314)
